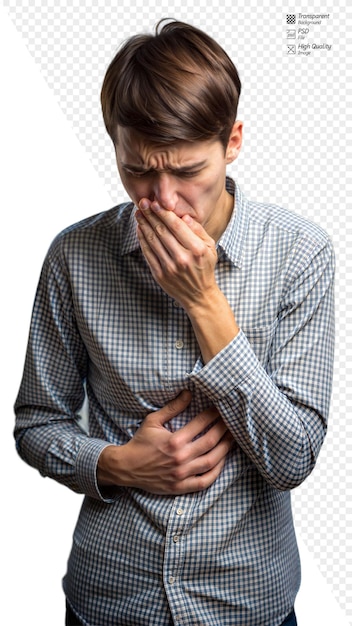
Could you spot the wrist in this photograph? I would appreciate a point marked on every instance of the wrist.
(213, 322)
(206, 303)
(107, 467)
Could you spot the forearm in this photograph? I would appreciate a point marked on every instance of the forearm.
(282, 436)
(213, 322)
(272, 385)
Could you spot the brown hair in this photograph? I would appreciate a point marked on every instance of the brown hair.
(178, 84)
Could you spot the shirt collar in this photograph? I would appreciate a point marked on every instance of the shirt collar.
(231, 242)
(130, 241)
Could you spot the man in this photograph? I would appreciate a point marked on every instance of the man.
(201, 326)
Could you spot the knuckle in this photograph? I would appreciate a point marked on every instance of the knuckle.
(176, 449)
(212, 436)
(179, 458)
(207, 465)
(159, 229)
(151, 237)
(178, 475)
(182, 261)
(173, 446)
(177, 225)
(203, 482)
(200, 249)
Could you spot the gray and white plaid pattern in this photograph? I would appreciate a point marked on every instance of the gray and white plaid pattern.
(100, 317)
(294, 152)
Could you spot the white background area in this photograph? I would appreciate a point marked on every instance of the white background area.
(48, 181)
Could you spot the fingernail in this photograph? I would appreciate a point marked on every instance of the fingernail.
(144, 204)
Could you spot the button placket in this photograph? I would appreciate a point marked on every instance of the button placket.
(174, 550)
(182, 349)
(179, 522)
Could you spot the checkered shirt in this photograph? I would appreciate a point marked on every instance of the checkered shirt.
(102, 326)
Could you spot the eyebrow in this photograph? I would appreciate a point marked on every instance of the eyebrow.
(177, 170)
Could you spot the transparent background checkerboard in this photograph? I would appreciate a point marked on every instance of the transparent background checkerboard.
(294, 154)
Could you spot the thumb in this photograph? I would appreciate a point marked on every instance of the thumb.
(173, 408)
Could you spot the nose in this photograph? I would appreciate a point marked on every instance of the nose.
(164, 190)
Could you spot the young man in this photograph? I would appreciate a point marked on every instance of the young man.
(201, 326)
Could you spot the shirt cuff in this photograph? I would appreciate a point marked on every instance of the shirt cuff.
(230, 369)
(86, 472)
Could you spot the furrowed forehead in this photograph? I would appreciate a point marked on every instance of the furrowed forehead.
(136, 154)
(191, 166)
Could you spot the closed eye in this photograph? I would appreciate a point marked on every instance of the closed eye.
(185, 174)
(138, 173)
(180, 173)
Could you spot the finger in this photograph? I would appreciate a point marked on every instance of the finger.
(144, 203)
(159, 246)
(201, 481)
(199, 423)
(197, 229)
(153, 260)
(172, 220)
(206, 462)
(171, 409)
(209, 441)
(167, 215)
(163, 252)
(165, 222)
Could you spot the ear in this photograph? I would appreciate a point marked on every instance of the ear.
(235, 142)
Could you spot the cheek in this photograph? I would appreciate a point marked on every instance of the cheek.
(206, 193)
(197, 189)
(135, 189)
(206, 197)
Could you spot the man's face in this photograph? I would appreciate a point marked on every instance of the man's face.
(183, 177)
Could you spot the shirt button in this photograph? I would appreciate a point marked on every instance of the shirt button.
(176, 538)
(180, 511)
(176, 304)
(179, 344)
(171, 580)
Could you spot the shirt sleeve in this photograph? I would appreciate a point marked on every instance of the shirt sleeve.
(277, 411)
(47, 431)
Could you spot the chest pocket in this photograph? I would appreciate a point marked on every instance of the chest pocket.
(261, 339)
